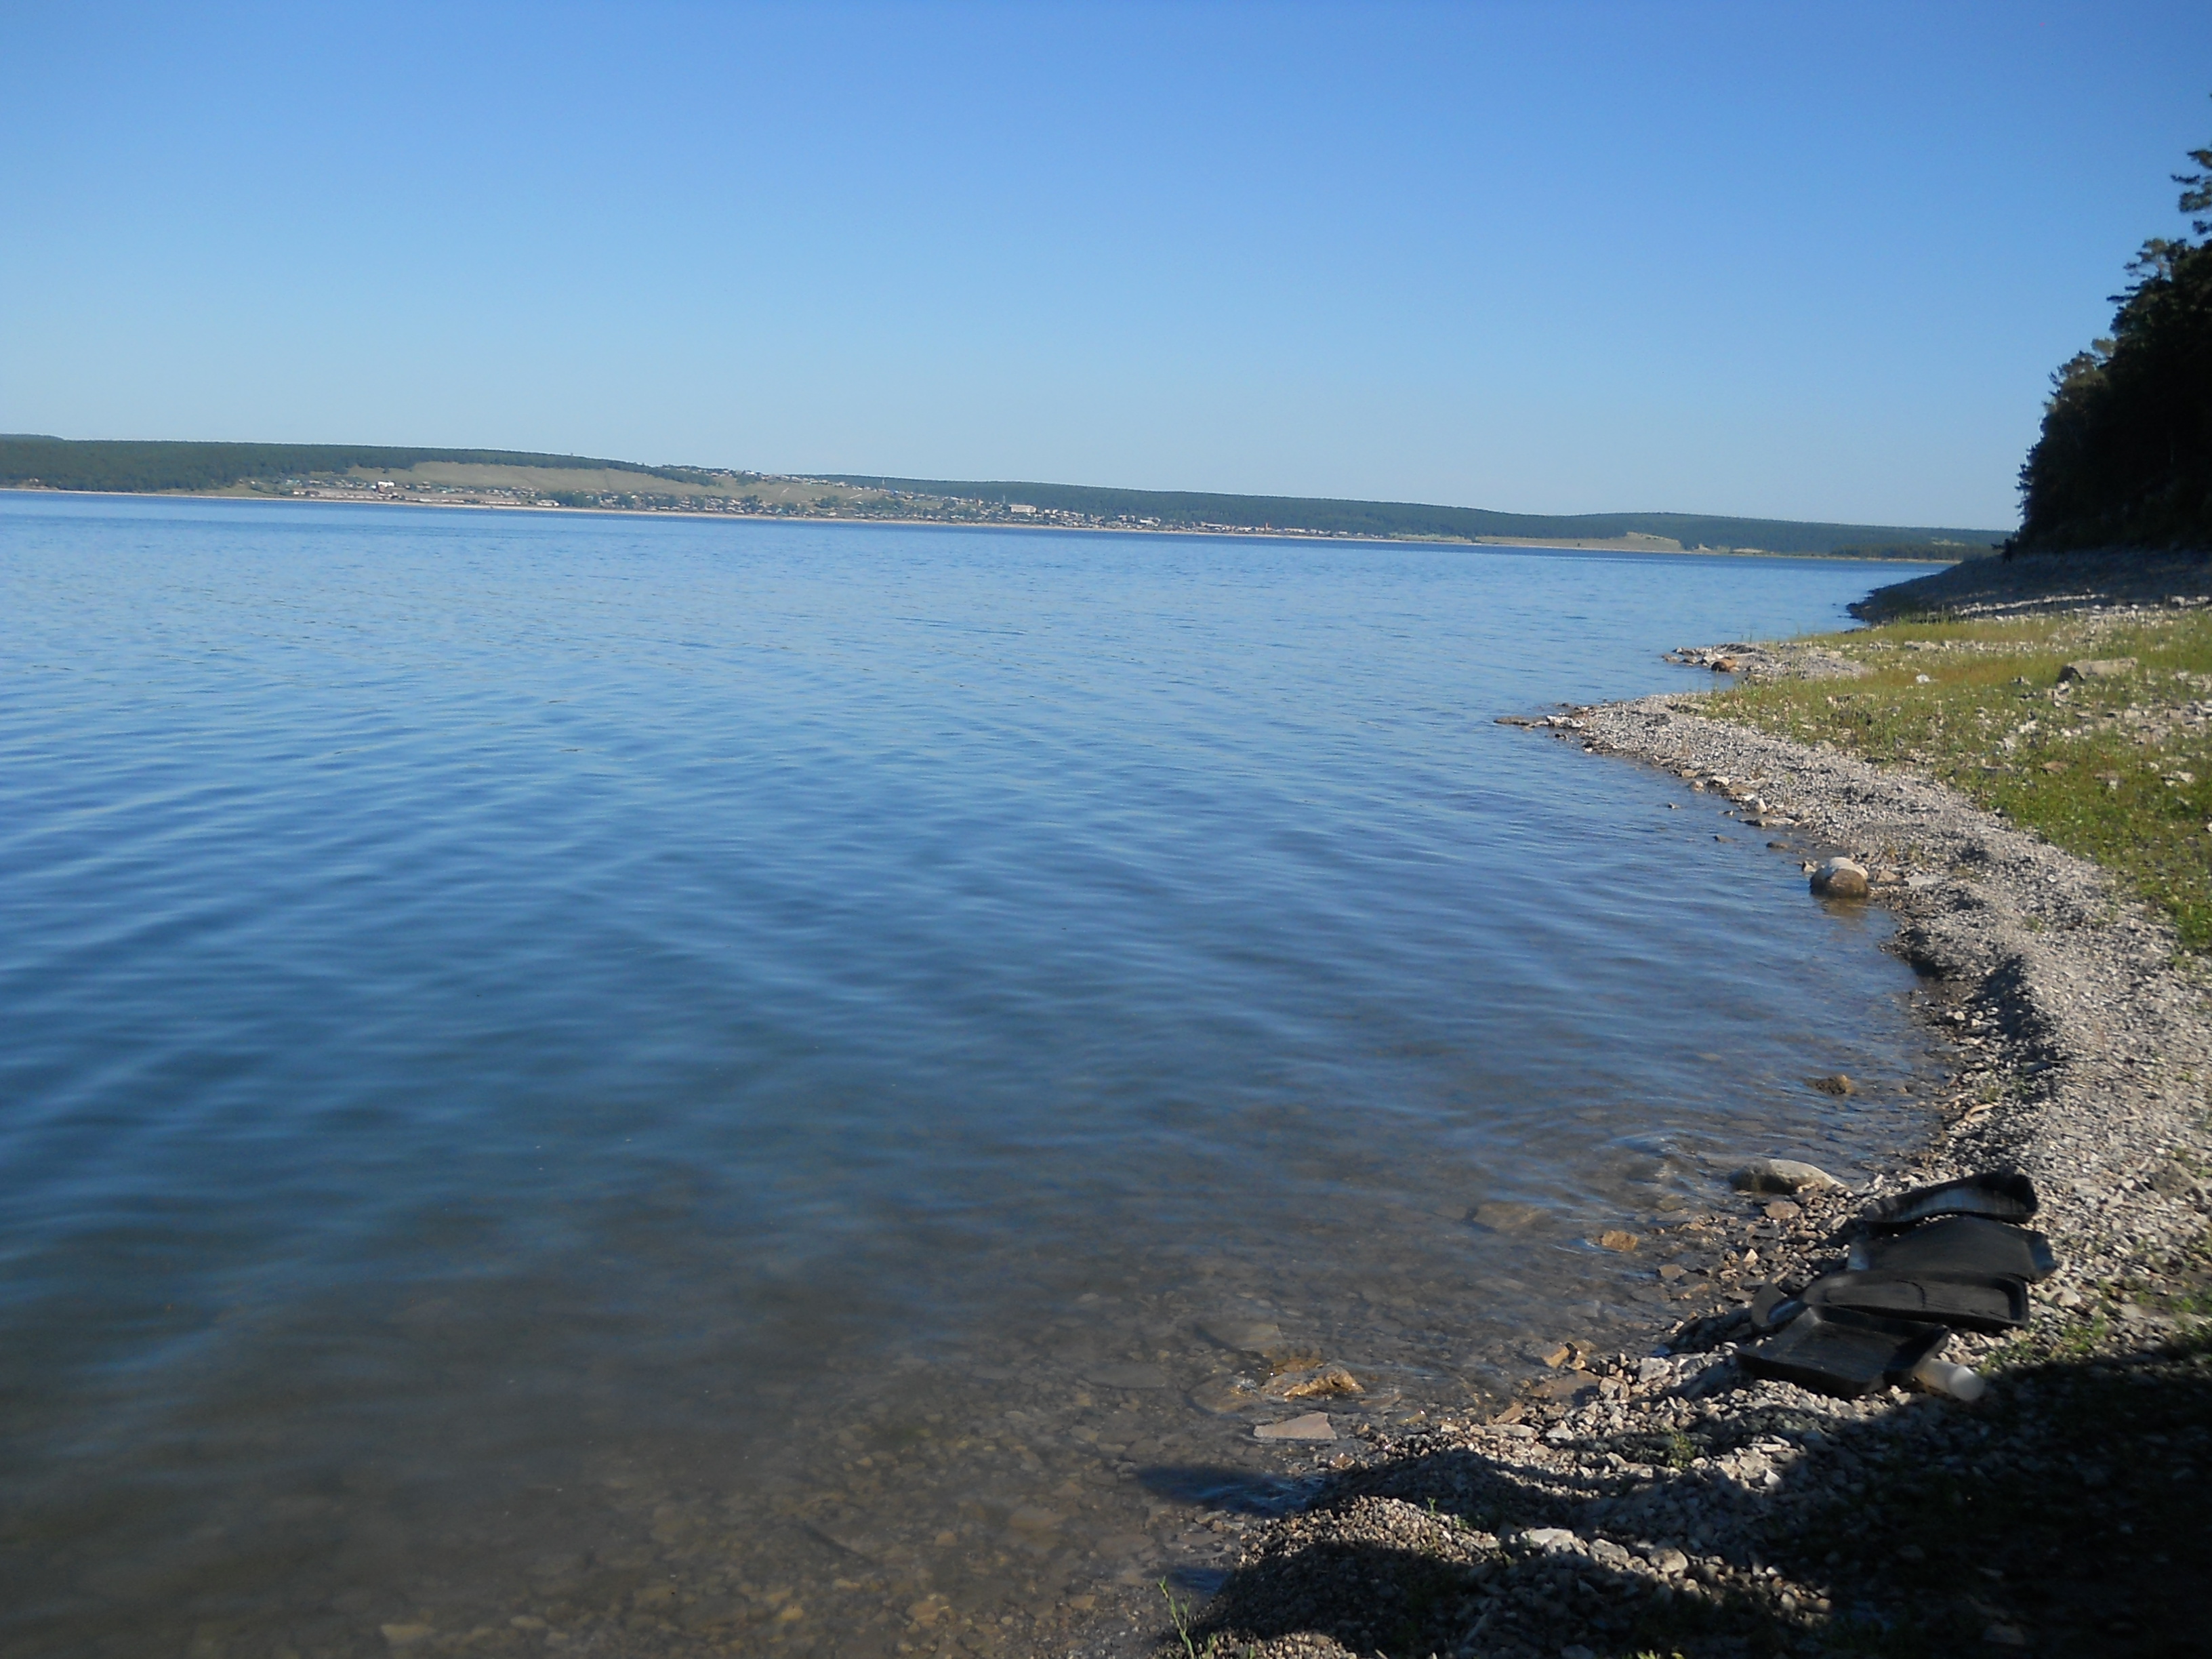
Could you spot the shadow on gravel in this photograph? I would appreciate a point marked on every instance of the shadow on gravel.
(2065, 1513)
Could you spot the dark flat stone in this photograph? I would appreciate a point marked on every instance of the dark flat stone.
(1972, 1303)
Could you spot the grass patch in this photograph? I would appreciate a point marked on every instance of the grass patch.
(2118, 770)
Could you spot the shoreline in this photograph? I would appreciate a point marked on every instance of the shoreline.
(1245, 533)
(1665, 1502)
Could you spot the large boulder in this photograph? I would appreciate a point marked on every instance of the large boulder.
(1842, 879)
(2102, 668)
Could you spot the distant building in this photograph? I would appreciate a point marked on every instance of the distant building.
(1021, 507)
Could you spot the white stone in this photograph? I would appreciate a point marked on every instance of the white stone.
(1780, 1174)
(1551, 1538)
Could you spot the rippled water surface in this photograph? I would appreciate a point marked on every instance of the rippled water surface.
(744, 1087)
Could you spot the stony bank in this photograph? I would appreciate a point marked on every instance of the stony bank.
(1666, 1502)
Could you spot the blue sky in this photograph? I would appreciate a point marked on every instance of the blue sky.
(1810, 261)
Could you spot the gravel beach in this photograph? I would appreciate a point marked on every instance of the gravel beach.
(1665, 1501)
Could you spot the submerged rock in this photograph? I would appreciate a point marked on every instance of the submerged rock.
(1314, 1426)
(1502, 1215)
(1224, 1394)
(1133, 1376)
(1243, 1335)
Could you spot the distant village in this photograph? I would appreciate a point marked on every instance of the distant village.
(749, 494)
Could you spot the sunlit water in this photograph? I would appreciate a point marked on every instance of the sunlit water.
(705, 1084)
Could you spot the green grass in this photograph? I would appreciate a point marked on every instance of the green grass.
(2118, 771)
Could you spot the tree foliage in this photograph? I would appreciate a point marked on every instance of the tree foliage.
(2125, 455)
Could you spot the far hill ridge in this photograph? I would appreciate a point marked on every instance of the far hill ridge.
(498, 478)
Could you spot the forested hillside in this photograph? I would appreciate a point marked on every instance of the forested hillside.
(155, 465)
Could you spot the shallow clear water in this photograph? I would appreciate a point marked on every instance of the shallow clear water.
(718, 1076)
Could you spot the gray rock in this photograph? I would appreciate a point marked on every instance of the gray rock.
(1842, 879)
(2101, 668)
(1670, 1560)
(2173, 1181)
(1781, 1174)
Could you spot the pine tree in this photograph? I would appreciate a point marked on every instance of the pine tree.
(2126, 455)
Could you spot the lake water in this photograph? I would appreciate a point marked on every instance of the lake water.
(723, 1086)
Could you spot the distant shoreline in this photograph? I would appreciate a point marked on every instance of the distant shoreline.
(1564, 545)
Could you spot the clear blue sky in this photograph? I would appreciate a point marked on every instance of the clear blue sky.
(1810, 261)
